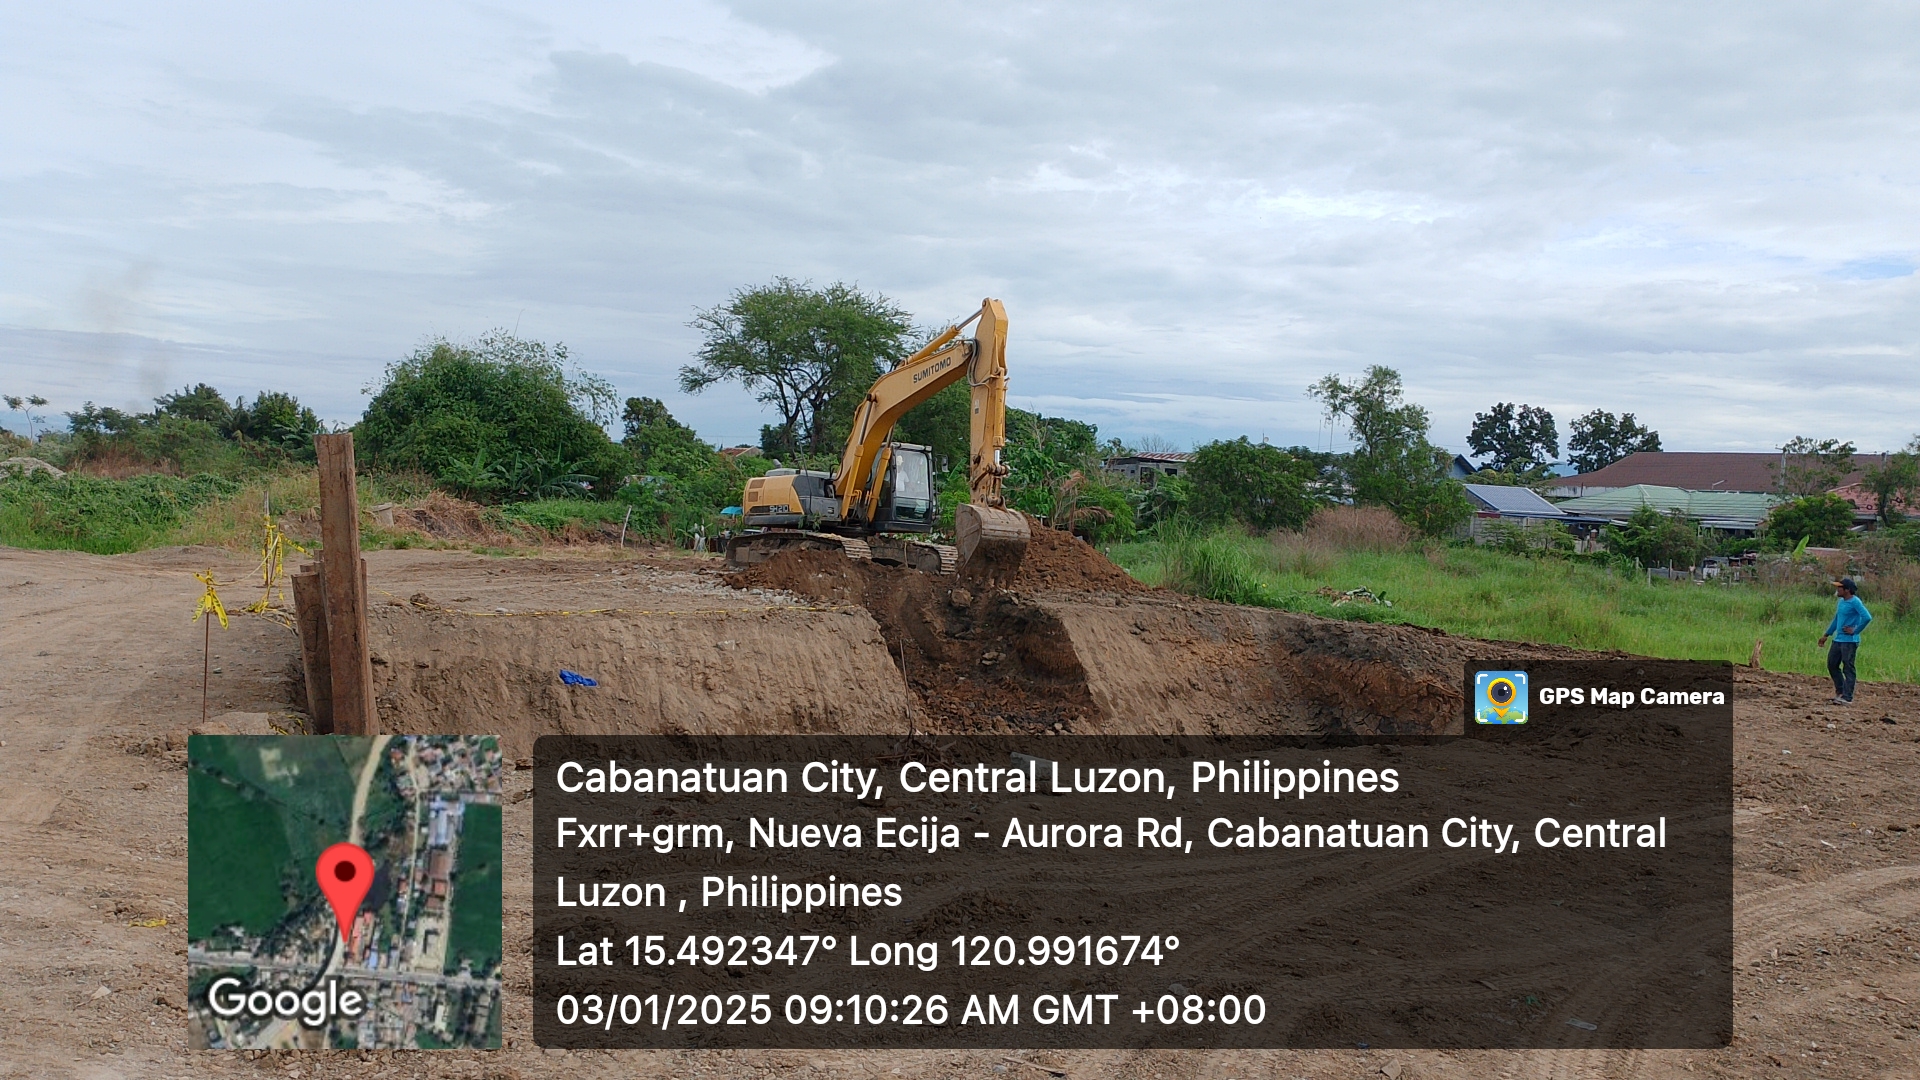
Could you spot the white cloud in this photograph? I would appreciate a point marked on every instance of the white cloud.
(1708, 219)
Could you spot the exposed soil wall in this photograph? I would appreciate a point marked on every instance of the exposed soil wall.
(1077, 645)
(710, 674)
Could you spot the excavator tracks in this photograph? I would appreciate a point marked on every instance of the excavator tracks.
(759, 546)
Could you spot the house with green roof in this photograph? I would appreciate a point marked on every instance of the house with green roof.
(1730, 511)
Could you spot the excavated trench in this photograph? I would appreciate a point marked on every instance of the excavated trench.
(1071, 645)
(1075, 645)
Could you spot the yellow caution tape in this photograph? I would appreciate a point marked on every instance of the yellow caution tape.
(148, 924)
(274, 545)
(209, 602)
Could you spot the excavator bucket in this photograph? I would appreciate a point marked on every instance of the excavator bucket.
(991, 541)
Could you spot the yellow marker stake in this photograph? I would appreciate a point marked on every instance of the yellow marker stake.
(209, 601)
(209, 607)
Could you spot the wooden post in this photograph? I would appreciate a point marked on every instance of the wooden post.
(344, 575)
(310, 611)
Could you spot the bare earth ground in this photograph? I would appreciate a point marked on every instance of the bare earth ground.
(99, 674)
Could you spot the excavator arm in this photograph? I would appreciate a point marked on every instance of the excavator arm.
(982, 361)
(986, 530)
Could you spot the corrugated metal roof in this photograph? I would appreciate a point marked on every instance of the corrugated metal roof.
(1698, 471)
(1152, 456)
(1512, 501)
(1727, 509)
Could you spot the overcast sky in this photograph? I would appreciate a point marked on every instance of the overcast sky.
(1703, 214)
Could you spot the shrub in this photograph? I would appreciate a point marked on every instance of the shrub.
(1657, 539)
(1165, 500)
(1305, 554)
(1260, 486)
(554, 515)
(1538, 538)
(1898, 587)
(1101, 513)
(1216, 567)
(1359, 528)
(1821, 520)
(495, 418)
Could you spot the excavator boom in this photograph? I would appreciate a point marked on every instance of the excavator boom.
(992, 539)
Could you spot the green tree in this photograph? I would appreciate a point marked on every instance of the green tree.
(494, 418)
(276, 419)
(1161, 503)
(1822, 520)
(1895, 483)
(810, 353)
(1520, 440)
(1657, 539)
(200, 402)
(1394, 465)
(652, 432)
(1810, 466)
(1600, 438)
(25, 406)
(1054, 472)
(1261, 486)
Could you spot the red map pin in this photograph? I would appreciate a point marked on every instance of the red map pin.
(345, 873)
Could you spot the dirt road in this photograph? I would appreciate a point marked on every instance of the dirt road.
(99, 671)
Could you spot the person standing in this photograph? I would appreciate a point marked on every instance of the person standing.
(1850, 616)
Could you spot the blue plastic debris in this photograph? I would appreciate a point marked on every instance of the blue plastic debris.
(574, 679)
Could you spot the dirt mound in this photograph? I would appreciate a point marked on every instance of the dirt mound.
(1061, 562)
(465, 643)
(438, 517)
(444, 517)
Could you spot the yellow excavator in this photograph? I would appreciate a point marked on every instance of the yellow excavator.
(884, 493)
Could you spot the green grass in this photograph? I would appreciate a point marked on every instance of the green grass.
(1486, 594)
(475, 933)
(553, 515)
(105, 517)
(115, 516)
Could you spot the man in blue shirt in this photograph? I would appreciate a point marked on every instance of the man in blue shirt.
(1850, 616)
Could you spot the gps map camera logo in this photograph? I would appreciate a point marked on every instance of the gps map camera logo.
(1500, 697)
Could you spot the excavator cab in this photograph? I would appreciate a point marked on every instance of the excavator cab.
(907, 502)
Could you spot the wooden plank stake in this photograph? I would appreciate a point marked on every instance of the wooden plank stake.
(345, 579)
(310, 611)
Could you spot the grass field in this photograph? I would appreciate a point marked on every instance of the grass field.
(104, 517)
(313, 778)
(475, 934)
(1488, 594)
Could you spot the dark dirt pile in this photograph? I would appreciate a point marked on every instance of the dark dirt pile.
(1061, 561)
(978, 660)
